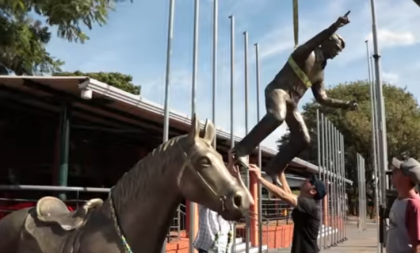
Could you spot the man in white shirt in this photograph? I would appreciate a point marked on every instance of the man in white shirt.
(214, 233)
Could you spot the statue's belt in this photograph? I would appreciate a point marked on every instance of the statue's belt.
(299, 72)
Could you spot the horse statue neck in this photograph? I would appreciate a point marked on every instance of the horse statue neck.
(146, 198)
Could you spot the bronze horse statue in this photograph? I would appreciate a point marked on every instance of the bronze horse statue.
(137, 214)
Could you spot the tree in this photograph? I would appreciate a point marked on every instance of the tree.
(22, 48)
(121, 81)
(402, 122)
(23, 39)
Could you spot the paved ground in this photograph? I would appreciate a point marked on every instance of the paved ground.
(358, 242)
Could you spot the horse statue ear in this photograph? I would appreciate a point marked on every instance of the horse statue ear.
(209, 132)
(195, 128)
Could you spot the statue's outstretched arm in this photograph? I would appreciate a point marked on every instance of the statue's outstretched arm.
(309, 46)
(322, 98)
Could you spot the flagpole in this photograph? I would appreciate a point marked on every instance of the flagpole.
(167, 81)
(383, 152)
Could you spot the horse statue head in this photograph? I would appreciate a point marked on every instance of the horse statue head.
(205, 178)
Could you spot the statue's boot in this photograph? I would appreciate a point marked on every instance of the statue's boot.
(290, 150)
(263, 129)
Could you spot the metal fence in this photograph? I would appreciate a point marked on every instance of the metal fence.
(241, 241)
(331, 161)
(361, 181)
(276, 217)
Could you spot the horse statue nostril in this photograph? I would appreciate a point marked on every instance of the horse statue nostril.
(237, 201)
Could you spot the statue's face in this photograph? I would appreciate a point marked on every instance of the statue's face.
(332, 47)
(331, 50)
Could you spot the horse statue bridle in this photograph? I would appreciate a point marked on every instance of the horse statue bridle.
(188, 164)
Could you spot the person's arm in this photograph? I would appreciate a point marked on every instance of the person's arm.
(412, 223)
(236, 173)
(321, 97)
(290, 198)
(284, 184)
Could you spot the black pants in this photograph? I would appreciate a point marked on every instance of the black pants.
(202, 251)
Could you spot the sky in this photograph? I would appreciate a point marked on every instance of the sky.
(134, 42)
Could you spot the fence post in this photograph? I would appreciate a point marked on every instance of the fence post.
(324, 151)
(342, 185)
(335, 185)
(359, 193)
(362, 192)
(318, 129)
(343, 161)
(330, 183)
(65, 125)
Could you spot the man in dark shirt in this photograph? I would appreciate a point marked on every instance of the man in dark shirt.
(306, 212)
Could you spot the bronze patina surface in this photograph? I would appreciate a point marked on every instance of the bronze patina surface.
(304, 70)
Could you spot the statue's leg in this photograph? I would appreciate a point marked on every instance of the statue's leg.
(276, 113)
(299, 141)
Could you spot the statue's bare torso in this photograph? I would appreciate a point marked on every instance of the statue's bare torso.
(286, 80)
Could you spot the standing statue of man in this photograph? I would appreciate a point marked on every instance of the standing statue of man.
(304, 70)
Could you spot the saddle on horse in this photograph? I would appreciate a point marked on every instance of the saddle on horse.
(53, 210)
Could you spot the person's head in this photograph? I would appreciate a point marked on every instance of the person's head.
(333, 46)
(405, 174)
(313, 188)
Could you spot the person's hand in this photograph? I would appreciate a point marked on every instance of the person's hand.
(233, 169)
(353, 105)
(256, 170)
(342, 21)
(231, 161)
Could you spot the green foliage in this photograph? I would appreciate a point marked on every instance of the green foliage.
(121, 81)
(23, 39)
(402, 122)
(22, 47)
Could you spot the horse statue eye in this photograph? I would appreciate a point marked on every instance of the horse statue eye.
(205, 160)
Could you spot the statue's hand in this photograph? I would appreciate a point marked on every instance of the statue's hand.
(342, 21)
(352, 105)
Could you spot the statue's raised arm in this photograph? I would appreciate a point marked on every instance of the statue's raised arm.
(309, 46)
